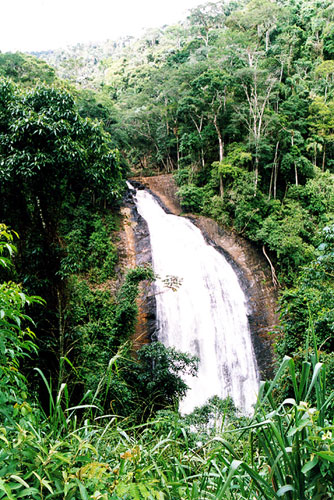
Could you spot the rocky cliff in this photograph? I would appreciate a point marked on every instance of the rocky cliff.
(134, 250)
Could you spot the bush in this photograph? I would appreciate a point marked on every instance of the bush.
(311, 297)
(16, 340)
(183, 176)
(191, 198)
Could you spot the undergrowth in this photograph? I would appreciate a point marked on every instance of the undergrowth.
(285, 451)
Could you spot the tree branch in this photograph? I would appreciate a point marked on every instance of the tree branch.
(273, 272)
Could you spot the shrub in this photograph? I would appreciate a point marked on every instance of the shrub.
(191, 198)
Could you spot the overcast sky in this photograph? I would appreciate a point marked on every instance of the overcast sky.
(29, 25)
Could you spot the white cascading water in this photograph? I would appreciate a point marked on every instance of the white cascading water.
(207, 315)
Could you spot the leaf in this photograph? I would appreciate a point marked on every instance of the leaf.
(284, 489)
(309, 465)
(326, 455)
(294, 430)
(47, 485)
(4, 487)
(134, 491)
(28, 491)
(143, 491)
(20, 480)
(233, 468)
(83, 491)
(44, 482)
(121, 489)
(92, 470)
(316, 372)
(62, 457)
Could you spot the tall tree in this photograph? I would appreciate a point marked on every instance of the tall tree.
(258, 85)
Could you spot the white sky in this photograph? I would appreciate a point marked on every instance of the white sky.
(29, 25)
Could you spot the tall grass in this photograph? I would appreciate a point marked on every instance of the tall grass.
(286, 451)
(291, 451)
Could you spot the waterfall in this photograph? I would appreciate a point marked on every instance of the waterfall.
(207, 315)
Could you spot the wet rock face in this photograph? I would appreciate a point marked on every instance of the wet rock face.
(135, 250)
(164, 187)
(251, 267)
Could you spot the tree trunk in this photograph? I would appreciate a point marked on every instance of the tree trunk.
(167, 122)
(199, 131)
(281, 73)
(220, 139)
(323, 158)
(38, 202)
(256, 172)
(177, 147)
(177, 153)
(296, 174)
(221, 186)
(315, 156)
(295, 164)
(61, 331)
(273, 272)
(202, 158)
(271, 181)
(273, 178)
(267, 40)
(221, 147)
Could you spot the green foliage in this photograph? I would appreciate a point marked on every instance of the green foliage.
(191, 198)
(329, 44)
(50, 454)
(46, 145)
(233, 164)
(25, 69)
(89, 245)
(312, 296)
(183, 176)
(125, 316)
(285, 449)
(265, 114)
(16, 339)
(171, 101)
(214, 207)
(159, 374)
(163, 459)
(62, 169)
(284, 232)
(216, 416)
(318, 196)
(90, 314)
(138, 388)
(291, 443)
(247, 208)
(99, 325)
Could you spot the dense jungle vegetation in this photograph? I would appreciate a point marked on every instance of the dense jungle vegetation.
(237, 103)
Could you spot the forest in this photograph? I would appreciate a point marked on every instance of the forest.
(236, 102)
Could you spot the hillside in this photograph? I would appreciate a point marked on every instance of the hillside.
(237, 101)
